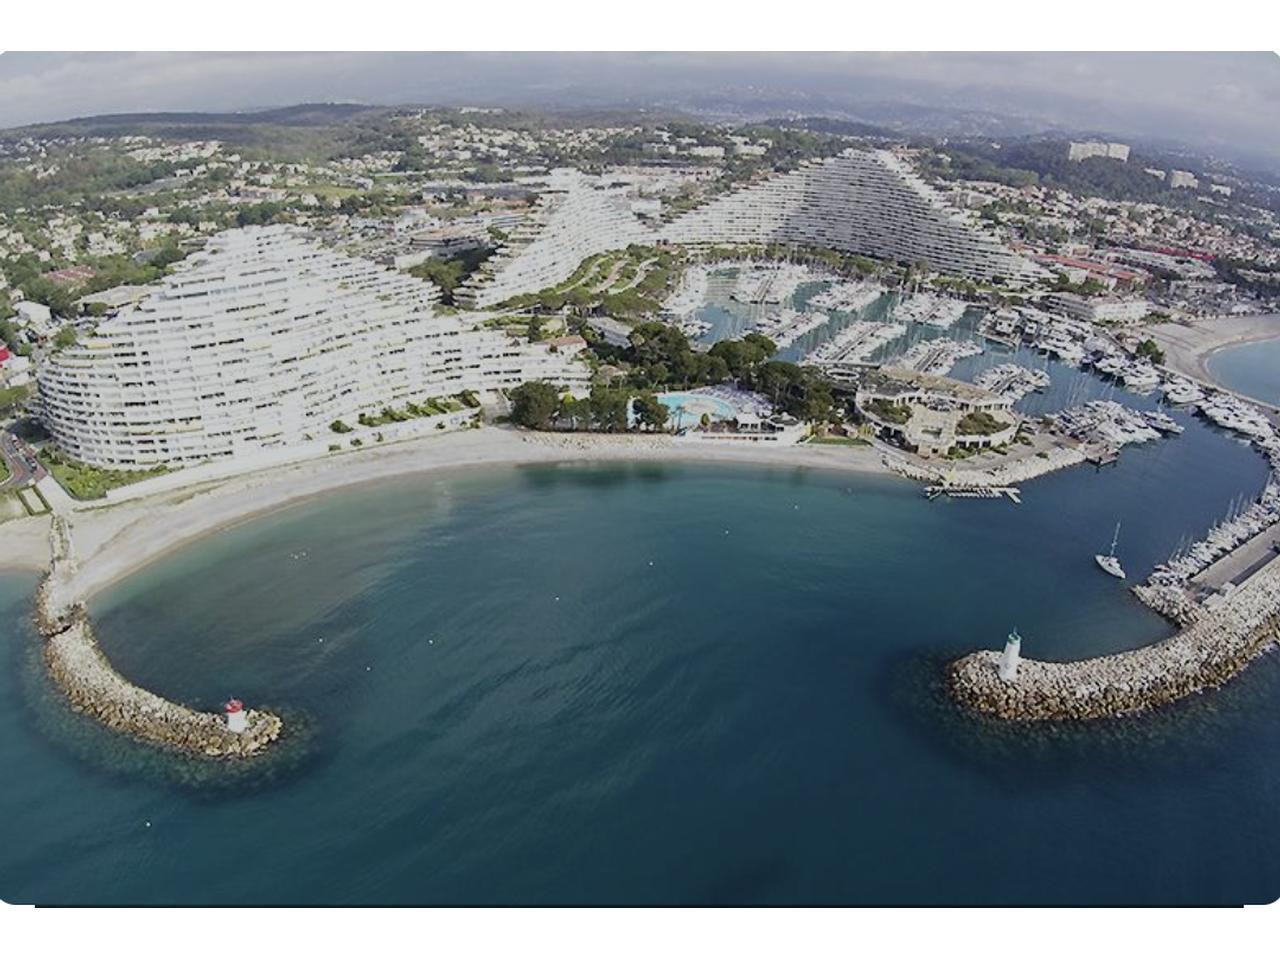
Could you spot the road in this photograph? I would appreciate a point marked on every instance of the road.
(23, 467)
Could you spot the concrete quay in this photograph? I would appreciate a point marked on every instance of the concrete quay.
(93, 687)
(1204, 655)
(991, 471)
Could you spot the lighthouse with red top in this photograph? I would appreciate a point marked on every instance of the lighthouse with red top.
(237, 719)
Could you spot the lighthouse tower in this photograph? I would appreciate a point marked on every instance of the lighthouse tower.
(237, 719)
(1009, 659)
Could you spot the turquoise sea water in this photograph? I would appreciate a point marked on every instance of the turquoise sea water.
(1250, 368)
(687, 408)
(651, 683)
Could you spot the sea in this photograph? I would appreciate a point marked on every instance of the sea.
(1250, 368)
(654, 684)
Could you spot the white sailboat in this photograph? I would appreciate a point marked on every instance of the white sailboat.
(1108, 561)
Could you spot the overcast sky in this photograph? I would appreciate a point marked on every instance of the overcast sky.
(1224, 102)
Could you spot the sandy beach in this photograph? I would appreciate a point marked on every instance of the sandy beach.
(114, 540)
(24, 544)
(1188, 346)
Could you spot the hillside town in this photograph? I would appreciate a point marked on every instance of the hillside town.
(547, 242)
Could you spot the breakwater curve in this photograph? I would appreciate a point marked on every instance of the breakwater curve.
(1213, 649)
(93, 687)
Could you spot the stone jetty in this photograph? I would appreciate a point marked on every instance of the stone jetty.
(95, 688)
(1007, 473)
(1207, 653)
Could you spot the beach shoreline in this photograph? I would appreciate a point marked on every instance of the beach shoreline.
(1189, 346)
(24, 545)
(113, 541)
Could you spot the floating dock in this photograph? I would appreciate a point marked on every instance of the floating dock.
(981, 492)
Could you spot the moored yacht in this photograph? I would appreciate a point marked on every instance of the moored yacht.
(1182, 391)
(1108, 561)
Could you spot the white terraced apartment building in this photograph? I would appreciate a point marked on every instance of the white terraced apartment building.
(577, 217)
(261, 340)
(867, 202)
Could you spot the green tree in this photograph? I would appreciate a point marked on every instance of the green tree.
(535, 405)
(577, 412)
(1150, 350)
(64, 337)
(651, 412)
(609, 409)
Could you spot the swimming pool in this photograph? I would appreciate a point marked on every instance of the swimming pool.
(687, 408)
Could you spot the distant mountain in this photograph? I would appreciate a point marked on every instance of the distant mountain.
(832, 125)
(196, 124)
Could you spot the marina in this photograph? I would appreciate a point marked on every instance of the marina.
(937, 356)
(930, 309)
(690, 294)
(1012, 381)
(786, 326)
(1105, 423)
(856, 343)
(848, 296)
(769, 283)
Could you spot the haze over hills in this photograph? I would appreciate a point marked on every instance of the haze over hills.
(1219, 103)
(327, 129)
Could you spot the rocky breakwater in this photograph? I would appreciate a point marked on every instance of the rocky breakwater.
(95, 688)
(1007, 473)
(1204, 655)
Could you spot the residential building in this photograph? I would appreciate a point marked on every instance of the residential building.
(867, 202)
(930, 415)
(264, 339)
(577, 217)
(1094, 148)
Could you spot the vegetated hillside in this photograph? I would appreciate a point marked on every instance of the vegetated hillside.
(1044, 162)
(832, 125)
(304, 131)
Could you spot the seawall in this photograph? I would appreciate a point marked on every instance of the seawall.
(93, 687)
(1204, 655)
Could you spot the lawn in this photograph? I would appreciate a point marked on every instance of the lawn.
(92, 483)
(979, 422)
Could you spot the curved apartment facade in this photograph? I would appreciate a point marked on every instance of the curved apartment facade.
(264, 339)
(577, 217)
(867, 202)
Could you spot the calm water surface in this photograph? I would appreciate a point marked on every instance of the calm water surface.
(1251, 368)
(651, 684)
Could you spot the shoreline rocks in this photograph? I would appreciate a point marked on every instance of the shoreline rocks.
(1204, 655)
(93, 687)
